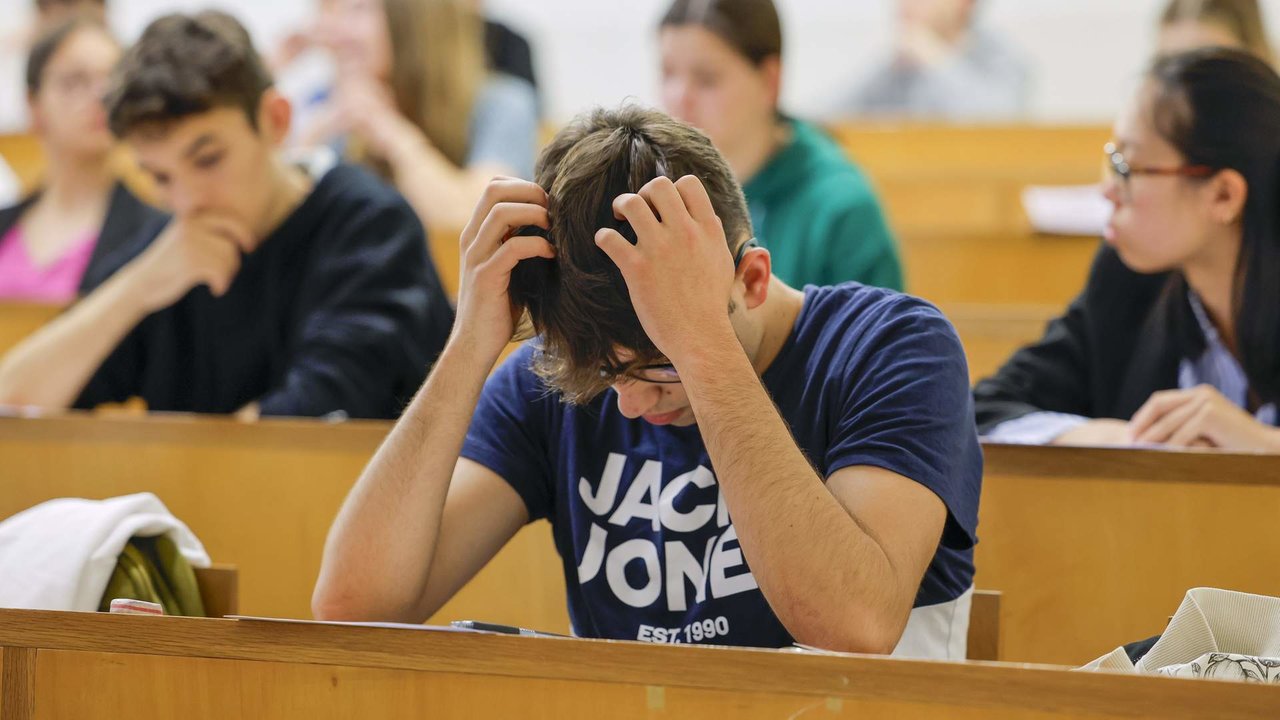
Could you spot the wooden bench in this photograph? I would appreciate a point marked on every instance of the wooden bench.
(1094, 548)
(968, 177)
(58, 665)
(953, 195)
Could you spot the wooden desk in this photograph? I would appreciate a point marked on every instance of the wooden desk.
(71, 665)
(1091, 548)
(1094, 548)
(260, 496)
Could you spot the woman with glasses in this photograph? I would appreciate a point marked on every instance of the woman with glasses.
(1176, 338)
(51, 242)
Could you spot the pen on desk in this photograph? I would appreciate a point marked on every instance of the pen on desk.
(502, 629)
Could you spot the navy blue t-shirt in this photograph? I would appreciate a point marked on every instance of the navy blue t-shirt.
(868, 377)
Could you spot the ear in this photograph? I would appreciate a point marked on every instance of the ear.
(754, 272)
(1229, 192)
(771, 72)
(275, 116)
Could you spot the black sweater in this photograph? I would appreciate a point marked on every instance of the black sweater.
(1120, 341)
(338, 310)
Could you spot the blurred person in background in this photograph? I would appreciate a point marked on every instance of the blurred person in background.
(15, 42)
(51, 241)
(276, 288)
(414, 99)
(1175, 339)
(810, 206)
(1191, 24)
(945, 66)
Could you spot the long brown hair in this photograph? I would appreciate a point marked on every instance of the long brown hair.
(437, 67)
(1241, 18)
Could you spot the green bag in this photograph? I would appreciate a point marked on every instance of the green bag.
(152, 569)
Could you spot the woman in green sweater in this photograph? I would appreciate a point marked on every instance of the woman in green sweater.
(813, 210)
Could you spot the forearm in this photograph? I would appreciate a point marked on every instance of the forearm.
(828, 581)
(378, 555)
(442, 193)
(51, 368)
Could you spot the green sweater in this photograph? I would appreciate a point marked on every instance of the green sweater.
(819, 218)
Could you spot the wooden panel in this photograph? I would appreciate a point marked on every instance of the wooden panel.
(446, 255)
(260, 496)
(149, 686)
(1027, 153)
(997, 268)
(922, 207)
(462, 672)
(219, 590)
(17, 683)
(18, 320)
(984, 626)
(1094, 548)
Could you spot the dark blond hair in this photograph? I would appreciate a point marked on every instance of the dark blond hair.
(1241, 18)
(437, 67)
(578, 303)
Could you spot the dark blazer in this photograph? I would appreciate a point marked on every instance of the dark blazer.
(1120, 341)
(127, 216)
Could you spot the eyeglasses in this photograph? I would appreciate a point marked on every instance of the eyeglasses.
(1122, 169)
(665, 373)
(660, 374)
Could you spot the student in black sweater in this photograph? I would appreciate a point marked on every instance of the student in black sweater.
(1176, 338)
(274, 289)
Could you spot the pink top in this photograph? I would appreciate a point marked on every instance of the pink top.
(59, 282)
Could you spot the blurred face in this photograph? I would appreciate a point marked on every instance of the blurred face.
(216, 161)
(356, 32)
(709, 85)
(1184, 35)
(943, 16)
(67, 111)
(1159, 222)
